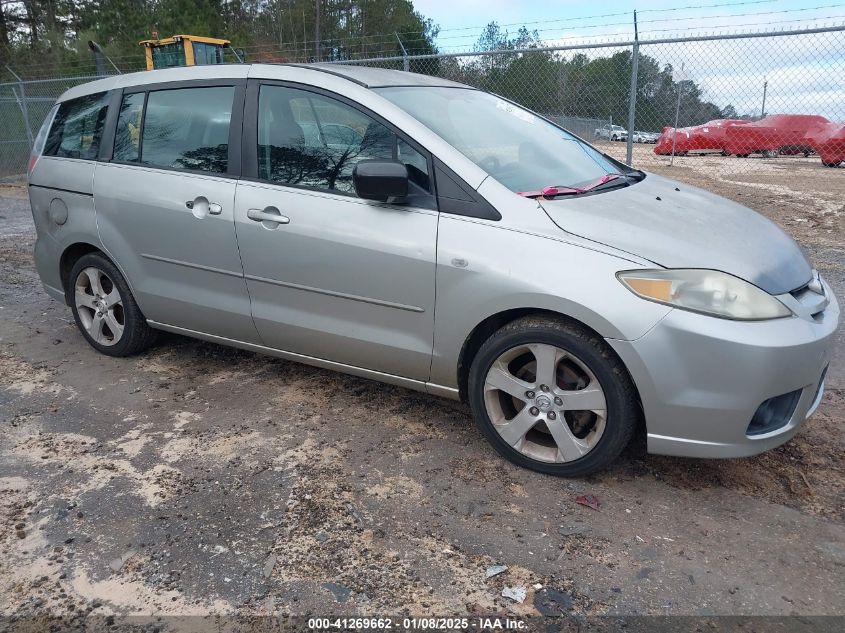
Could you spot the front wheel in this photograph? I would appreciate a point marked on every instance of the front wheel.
(104, 308)
(552, 397)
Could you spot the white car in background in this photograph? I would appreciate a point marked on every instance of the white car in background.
(612, 132)
(645, 137)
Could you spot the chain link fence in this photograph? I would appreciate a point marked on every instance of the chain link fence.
(23, 107)
(745, 102)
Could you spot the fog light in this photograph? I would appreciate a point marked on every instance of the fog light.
(774, 413)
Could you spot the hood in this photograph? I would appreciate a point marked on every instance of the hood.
(678, 226)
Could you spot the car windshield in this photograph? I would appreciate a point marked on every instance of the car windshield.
(516, 147)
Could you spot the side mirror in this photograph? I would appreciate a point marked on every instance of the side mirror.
(381, 180)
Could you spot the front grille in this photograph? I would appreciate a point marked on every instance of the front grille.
(811, 296)
(774, 413)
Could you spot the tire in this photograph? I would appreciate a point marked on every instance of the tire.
(832, 164)
(613, 138)
(122, 329)
(597, 441)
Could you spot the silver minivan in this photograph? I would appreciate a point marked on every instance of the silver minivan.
(416, 231)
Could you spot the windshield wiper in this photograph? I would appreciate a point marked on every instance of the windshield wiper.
(558, 190)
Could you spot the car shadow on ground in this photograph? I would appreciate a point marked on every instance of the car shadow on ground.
(805, 473)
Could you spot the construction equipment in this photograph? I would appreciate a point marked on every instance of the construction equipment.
(186, 50)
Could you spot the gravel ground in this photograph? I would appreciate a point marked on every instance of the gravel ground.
(197, 479)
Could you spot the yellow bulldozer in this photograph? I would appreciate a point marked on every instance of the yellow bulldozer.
(187, 50)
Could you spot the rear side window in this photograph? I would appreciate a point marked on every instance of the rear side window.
(78, 128)
(180, 129)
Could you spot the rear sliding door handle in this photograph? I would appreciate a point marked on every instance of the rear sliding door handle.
(201, 207)
(270, 217)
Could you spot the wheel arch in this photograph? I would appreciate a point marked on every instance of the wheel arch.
(70, 255)
(483, 330)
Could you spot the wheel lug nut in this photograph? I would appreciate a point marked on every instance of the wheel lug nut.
(552, 415)
(558, 401)
(529, 394)
(534, 411)
(544, 388)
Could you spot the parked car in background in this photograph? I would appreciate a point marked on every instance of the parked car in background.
(707, 137)
(309, 212)
(612, 133)
(645, 137)
(774, 135)
(771, 134)
(829, 143)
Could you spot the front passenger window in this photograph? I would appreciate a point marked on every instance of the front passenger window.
(307, 139)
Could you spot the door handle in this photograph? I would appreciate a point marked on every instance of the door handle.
(268, 216)
(201, 207)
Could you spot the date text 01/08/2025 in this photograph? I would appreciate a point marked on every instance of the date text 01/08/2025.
(416, 624)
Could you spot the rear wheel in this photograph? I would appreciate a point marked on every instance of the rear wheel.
(552, 397)
(104, 308)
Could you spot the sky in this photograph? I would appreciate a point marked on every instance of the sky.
(803, 74)
(461, 21)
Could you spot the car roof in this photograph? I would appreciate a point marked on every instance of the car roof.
(365, 76)
(371, 77)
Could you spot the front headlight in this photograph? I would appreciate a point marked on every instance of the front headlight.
(706, 291)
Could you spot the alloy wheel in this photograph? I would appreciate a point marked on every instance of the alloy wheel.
(99, 306)
(545, 403)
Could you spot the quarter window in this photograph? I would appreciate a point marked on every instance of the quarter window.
(310, 140)
(78, 128)
(127, 136)
(181, 129)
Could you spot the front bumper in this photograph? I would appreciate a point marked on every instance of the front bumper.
(702, 378)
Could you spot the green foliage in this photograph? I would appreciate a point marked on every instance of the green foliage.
(49, 37)
(594, 86)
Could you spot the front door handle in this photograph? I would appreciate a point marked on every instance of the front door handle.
(270, 217)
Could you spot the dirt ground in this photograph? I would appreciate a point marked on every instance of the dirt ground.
(196, 479)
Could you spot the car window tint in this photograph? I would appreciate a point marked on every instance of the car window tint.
(78, 128)
(188, 129)
(127, 135)
(310, 140)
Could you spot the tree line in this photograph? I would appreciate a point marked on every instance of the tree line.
(576, 84)
(43, 38)
(51, 36)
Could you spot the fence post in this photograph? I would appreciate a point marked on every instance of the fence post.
(22, 105)
(632, 97)
(677, 114)
(406, 64)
